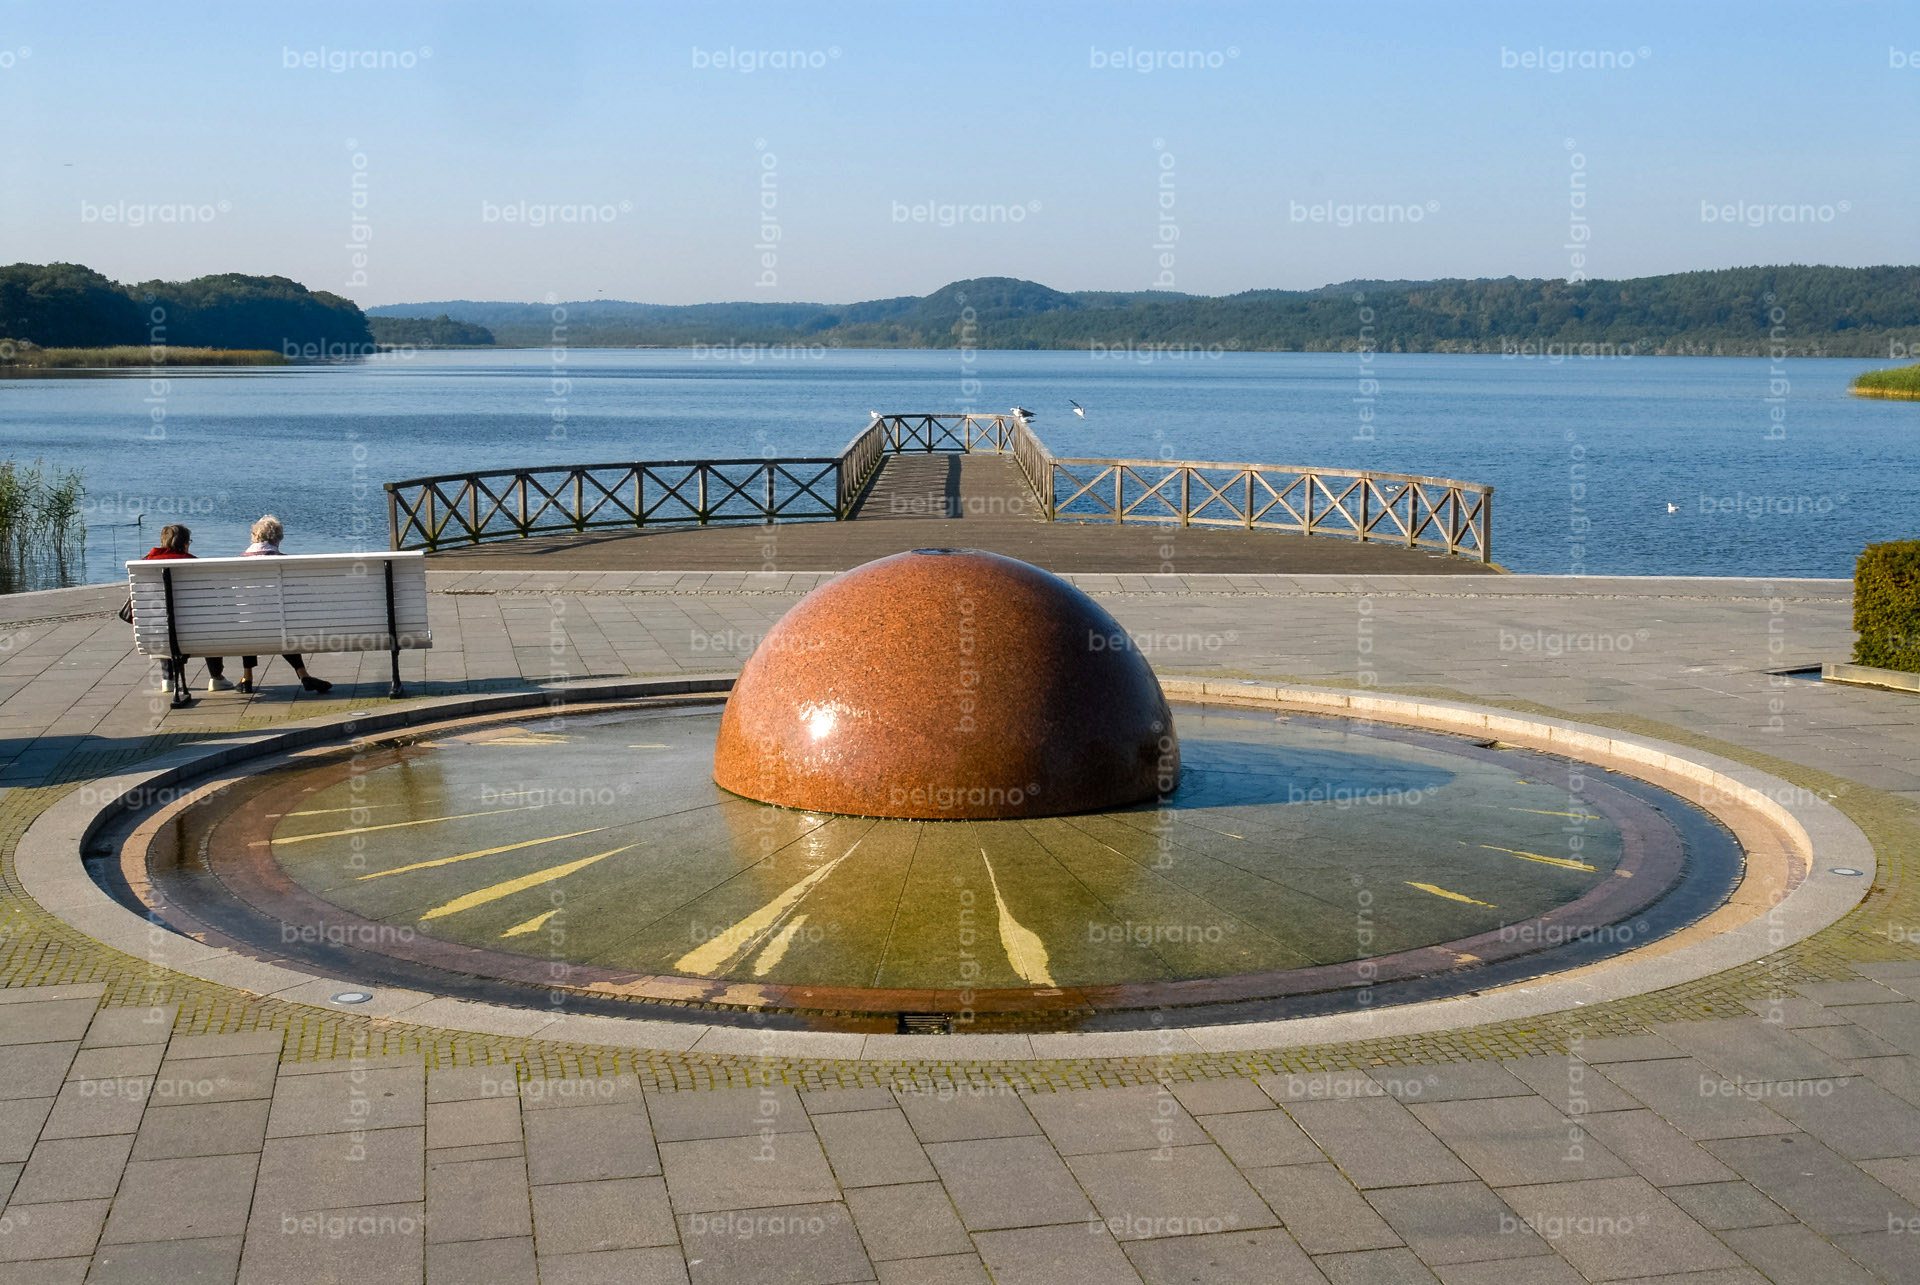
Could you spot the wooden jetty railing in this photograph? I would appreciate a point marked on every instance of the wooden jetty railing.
(468, 508)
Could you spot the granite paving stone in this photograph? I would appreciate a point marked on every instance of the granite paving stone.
(911, 1220)
(657, 1266)
(1177, 1191)
(1813, 1184)
(1375, 1267)
(360, 1245)
(872, 1148)
(617, 1213)
(1720, 1206)
(1617, 1227)
(182, 1199)
(1321, 1208)
(806, 1244)
(710, 1174)
(1791, 1254)
(504, 1261)
(1697, 1100)
(1510, 1141)
(950, 1269)
(1857, 1117)
(590, 1142)
(1378, 1143)
(1053, 1256)
(1149, 1116)
(314, 1171)
(210, 1129)
(73, 1169)
(477, 1200)
(967, 1115)
(1009, 1182)
(1655, 1149)
(63, 1229)
(208, 1261)
(1264, 1257)
(1455, 1222)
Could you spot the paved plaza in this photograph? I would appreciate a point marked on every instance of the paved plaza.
(1759, 1124)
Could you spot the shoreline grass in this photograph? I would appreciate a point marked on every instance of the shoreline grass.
(42, 530)
(1900, 383)
(15, 355)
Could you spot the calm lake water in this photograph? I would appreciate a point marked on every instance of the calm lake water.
(1787, 479)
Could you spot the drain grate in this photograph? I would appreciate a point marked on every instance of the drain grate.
(925, 1024)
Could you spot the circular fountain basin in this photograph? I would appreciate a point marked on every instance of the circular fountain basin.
(1302, 864)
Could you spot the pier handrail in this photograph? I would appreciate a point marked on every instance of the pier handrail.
(1400, 508)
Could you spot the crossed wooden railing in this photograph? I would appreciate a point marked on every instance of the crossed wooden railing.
(1399, 508)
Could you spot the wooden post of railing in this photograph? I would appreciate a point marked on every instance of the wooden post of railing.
(639, 495)
(1366, 489)
(1486, 525)
(700, 471)
(432, 531)
(393, 518)
(1249, 499)
(520, 483)
(1186, 502)
(1307, 517)
(473, 510)
(579, 500)
(1119, 493)
(769, 494)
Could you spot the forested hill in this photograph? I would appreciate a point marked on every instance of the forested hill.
(1811, 311)
(65, 305)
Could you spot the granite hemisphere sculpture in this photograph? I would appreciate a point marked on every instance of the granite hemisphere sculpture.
(947, 684)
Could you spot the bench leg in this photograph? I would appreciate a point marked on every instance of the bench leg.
(395, 691)
(181, 696)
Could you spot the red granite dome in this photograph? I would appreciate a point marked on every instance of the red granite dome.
(947, 684)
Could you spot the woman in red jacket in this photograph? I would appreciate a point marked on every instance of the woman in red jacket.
(174, 540)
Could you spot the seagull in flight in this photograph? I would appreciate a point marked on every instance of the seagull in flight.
(1078, 409)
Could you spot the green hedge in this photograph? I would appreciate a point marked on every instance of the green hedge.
(1886, 606)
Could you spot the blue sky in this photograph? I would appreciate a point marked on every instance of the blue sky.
(194, 138)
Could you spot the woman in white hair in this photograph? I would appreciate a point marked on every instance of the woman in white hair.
(267, 534)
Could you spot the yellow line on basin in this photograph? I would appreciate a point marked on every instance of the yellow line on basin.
(358, 807)
(396, 825)
(1025, 951)
(777, 948)
(1578, 816)
(484, 852)
(531, 925)
(1438, 891)
(482, 896)
(729, 944)
(1565, 863)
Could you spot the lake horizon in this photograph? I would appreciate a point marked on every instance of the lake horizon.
(1586, 454)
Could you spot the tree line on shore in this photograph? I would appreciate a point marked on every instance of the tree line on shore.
(1796, 311)
(1802, 311)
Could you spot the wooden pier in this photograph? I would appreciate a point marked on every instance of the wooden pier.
(916, 481)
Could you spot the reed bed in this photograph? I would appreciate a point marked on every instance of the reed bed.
(1899, 382)
(42, 534)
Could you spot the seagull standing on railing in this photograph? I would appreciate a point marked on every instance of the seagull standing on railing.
(1078, 409)
(873, 414)
(1023, 412)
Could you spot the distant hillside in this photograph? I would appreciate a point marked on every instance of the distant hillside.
(429, 332)
(65, 305)
(1821, 311)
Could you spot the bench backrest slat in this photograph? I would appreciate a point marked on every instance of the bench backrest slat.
(322, 602)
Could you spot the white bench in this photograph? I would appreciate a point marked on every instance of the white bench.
(309, 602)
